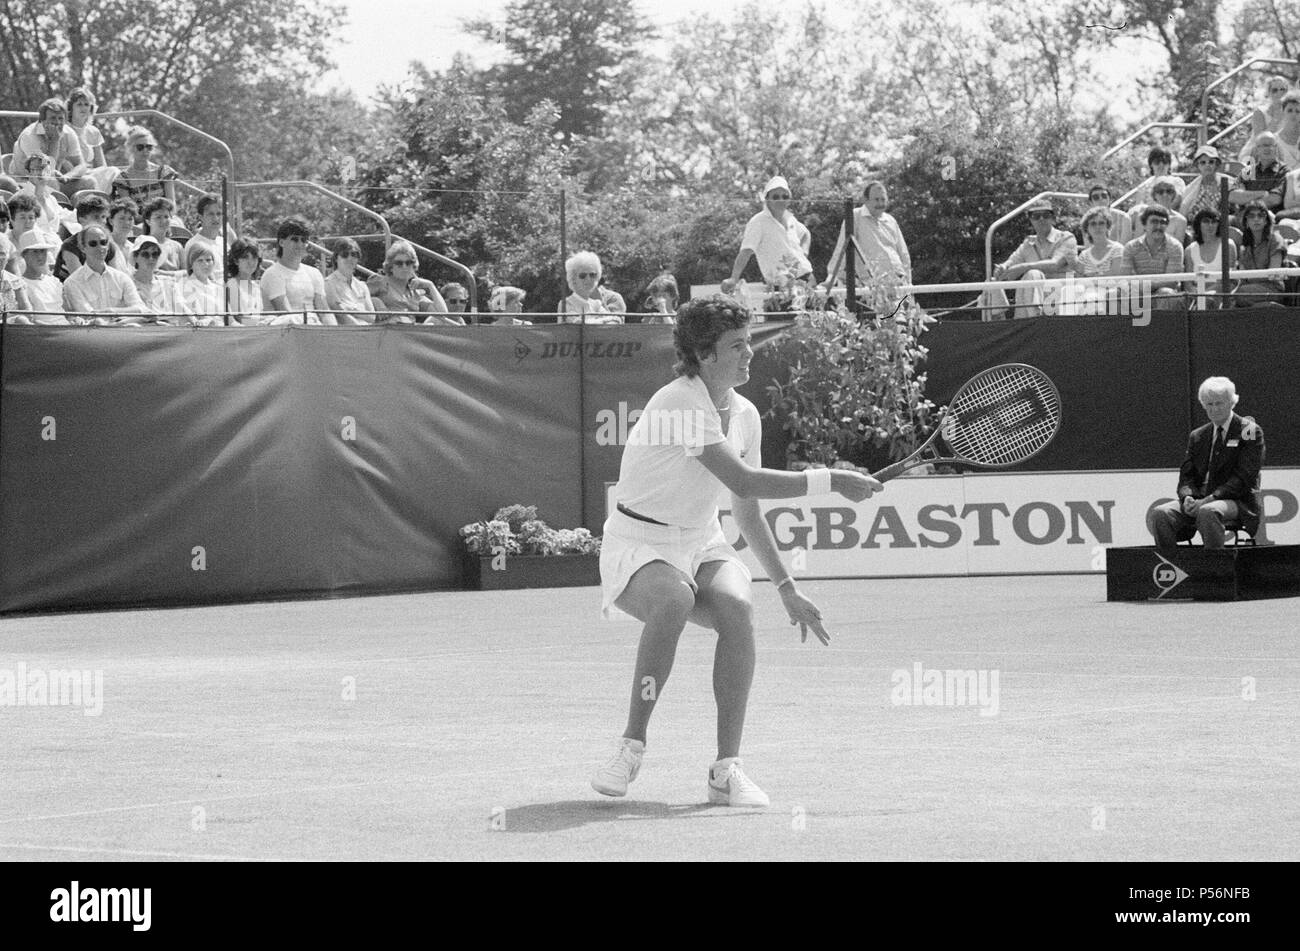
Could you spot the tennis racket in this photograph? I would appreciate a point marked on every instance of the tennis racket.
(999, 418)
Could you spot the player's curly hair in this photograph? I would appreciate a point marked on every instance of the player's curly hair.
(700, 323)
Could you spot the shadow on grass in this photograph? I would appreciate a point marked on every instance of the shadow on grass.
(575, 813)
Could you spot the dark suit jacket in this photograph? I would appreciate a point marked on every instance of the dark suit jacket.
(1235, 473)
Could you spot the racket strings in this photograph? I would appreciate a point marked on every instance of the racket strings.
(1003, 416)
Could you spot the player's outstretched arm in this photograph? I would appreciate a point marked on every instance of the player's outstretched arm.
(758, 536)
(720, 459)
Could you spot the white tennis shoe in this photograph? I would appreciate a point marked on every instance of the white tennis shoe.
(729, 786)
(612, 778)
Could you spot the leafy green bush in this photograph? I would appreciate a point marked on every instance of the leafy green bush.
(852, 392)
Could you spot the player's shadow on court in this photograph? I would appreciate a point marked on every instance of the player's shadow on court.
(574, 813)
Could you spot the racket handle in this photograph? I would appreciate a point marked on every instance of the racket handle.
(890, 472)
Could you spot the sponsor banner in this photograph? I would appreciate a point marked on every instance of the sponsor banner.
(988, 523)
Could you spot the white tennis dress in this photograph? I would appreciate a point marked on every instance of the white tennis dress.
(661, 477)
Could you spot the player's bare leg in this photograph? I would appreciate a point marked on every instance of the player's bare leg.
(724, 604)
(661, 597)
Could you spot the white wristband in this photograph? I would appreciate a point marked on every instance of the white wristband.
(819, 481)
(783, 582)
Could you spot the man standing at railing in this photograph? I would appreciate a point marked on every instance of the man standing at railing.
(1047, 253)
(882, 249)
(775, 237)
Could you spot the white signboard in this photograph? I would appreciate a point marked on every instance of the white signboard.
(988, 523)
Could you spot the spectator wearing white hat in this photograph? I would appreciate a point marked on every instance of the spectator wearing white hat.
(775, 237)
(160, 292)
(1203, 192)
(44, 291)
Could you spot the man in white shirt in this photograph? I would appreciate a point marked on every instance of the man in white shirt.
(97, 289)
(51, 135)
(883, 250)
(44, 292)
(776, 238)
(291, 286)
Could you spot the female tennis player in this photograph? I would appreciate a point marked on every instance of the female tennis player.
(664, 559)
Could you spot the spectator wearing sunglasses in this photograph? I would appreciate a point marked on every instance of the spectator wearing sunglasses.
(1264, 177)
(589, 303)
(142, 179)
(401, 291)
(346, 295)
(1164, 194)
(161, 293)
(1203, 192)
(289, 286)
(1049, 252)
(95, 292)
(51, 136)
(456, 297)
(91, 210)
(775, 238)
(1160, 164)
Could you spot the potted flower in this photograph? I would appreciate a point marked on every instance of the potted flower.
(516, 549)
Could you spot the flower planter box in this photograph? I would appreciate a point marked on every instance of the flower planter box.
(530, 571)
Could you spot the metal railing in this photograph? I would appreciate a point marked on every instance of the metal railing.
(988, 235)
(1249, 64)
(1144, 130)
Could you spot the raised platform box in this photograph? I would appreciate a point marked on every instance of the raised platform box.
(1193, 573)
(486, 573)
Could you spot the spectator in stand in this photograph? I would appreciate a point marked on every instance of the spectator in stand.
(1165, 195)
(1203, 257)
(8, 183)
(881, 246)
(1203, 192)
(401, 290)
(209, 234)
(52, 137)
(776, 238)
(1269, 117)
(201, 291)
(346, 295)
(243, 293)
(1290, 197)
(38, 184)
(44, 292)
(142, 180)
(91, 210)
(506, 302)
(456, 297)
(1121, 229)
(122, 215)
(1264, 177)
(661, 299)
(1155, 253)
(157, 214)
(290, 287)
(97, 289)
(12, 265)
(1047, 253)
(1261, 248)
(13, 292)
(1160, 163)
(1101, 256)
(81, 110)
(160, 293)
(1288, 134)
(24, 212)
(587, 304)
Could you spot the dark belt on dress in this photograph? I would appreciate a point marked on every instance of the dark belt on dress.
(640, 518)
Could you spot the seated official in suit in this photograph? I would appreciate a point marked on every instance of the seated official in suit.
(1219, 479)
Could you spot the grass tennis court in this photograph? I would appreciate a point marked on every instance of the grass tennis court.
(1121, 733)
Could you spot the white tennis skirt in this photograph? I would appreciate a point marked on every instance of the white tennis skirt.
(629, 545)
